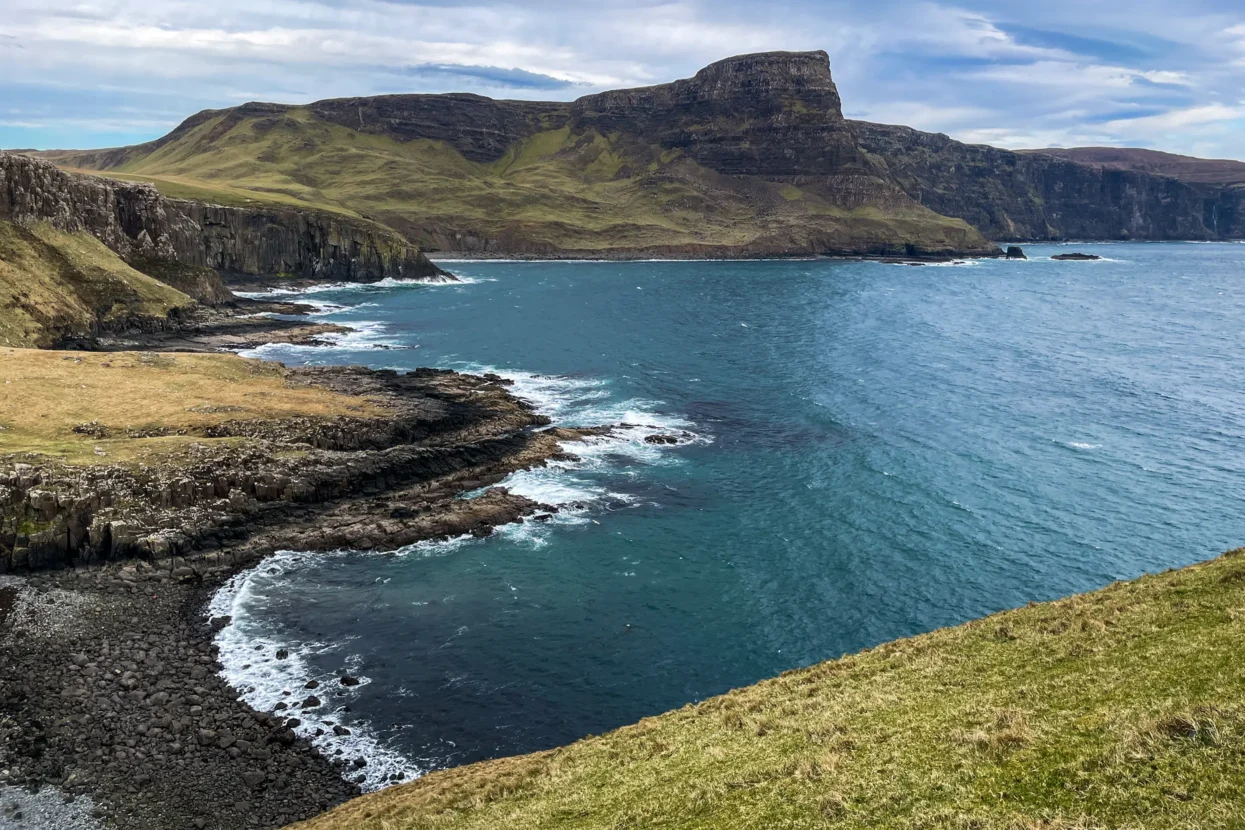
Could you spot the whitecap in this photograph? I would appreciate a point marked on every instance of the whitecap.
(248, 657)
(364, 335)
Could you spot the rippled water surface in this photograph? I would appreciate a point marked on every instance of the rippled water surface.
(880, 450)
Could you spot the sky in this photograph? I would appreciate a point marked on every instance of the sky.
(1013, 73)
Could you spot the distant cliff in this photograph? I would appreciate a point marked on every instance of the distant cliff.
(1185, 168)
(136, 222)
(1034, 196)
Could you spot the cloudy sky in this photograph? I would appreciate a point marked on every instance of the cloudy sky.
(1151, 73)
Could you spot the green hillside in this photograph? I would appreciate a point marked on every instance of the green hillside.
(1121, 708)
(556, 191)
(56, 285)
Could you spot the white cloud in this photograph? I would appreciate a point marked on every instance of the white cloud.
(971, 68)
(1177, 119)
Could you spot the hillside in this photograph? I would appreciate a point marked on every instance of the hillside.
(1117, 708)
(1185, 168)
(57, 287)
(687, 168)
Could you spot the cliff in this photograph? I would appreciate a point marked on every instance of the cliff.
(750, 157)
(1185, 168)
(136, 222)
(734, 115)
(1034, 196)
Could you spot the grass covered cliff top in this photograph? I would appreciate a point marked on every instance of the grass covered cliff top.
(55, 284)
(1120, 708)
(166, 400)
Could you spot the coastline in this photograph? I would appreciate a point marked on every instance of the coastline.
(111, 686)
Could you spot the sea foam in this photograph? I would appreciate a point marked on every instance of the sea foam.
(248, 645)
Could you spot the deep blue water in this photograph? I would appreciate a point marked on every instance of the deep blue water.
(881, 450)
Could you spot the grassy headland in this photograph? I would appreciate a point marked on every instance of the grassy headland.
(1117, 708)
(558, 190)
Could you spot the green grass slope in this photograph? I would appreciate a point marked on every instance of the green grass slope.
(56, 286)
(1121, 708)
(555, 192)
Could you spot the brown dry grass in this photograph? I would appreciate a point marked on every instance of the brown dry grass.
(45, 394)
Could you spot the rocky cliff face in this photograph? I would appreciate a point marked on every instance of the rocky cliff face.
(138, 224)
(776, 115)
(480, 128)
(1021, 196)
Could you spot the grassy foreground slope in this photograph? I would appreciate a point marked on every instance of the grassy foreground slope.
(55, 285)
(1121, 708)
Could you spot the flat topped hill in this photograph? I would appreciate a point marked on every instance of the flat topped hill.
(751, 156)
(1118, 708)
(1185, 168)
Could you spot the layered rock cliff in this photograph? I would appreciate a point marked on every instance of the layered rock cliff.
(136, 222)
(1033, 196)
(776, 115)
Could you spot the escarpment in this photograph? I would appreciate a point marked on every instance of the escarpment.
(136, 222)
(1034, 196)
(776, 115)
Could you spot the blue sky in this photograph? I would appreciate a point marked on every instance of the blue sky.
(1167, 75)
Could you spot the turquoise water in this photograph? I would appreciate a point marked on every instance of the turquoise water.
(873, 451)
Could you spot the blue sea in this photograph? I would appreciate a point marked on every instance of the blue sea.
(870, 451)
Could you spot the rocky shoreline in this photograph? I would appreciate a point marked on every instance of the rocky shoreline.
(110, 687)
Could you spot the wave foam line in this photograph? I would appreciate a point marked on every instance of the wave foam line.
(248, 656)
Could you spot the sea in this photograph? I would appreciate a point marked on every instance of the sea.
(867, 451)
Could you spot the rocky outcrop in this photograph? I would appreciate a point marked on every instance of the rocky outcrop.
(136, 222)
(442, 427)
(776, 115)
(1025, 197)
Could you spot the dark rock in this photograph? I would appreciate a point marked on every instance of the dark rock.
(1015, 252)
(135, 221)
(1076, 257)
(347, 680)
(1035, 196)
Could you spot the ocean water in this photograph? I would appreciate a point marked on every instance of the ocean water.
(870, 451)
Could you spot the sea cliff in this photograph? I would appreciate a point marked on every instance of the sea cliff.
(135, 221)
(1011, 196)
